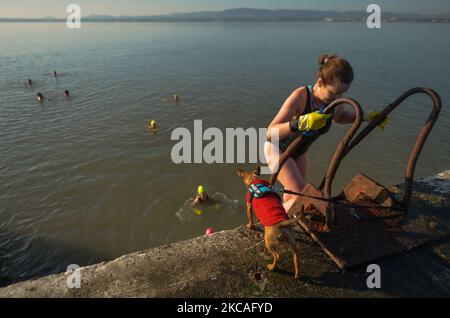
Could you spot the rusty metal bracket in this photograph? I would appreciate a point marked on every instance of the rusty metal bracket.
(350, 141)
(370, 223)
(418, 146)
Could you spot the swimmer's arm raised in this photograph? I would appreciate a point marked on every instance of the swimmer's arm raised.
(195, 201)
(294, 104)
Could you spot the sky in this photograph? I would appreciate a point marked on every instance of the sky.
(57, 8)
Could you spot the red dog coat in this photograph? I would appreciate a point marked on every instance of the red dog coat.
(268, 209)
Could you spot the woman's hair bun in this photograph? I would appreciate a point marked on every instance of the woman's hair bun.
(333, 68)
(325, 58)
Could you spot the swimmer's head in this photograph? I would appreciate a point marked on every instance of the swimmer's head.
(29, 81)
(152, 124)
(55, 74)
(201, 190)
(66, 93)
(40, 97)
(177, 98)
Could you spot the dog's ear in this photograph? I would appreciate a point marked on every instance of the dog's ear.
(240, 173)
(257, 171)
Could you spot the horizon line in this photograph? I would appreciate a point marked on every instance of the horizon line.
(211, 11)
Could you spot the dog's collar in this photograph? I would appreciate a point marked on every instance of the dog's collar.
(259, 187)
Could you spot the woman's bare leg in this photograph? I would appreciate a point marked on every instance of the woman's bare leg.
(291, 179)
(289, 176)
(303, 165)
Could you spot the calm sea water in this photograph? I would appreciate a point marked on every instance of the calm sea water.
(82, 180)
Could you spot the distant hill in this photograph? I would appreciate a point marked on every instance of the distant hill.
(248, 14)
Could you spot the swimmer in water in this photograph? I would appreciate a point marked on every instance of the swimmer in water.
(201, 196)
(41, 98)
(55, 74)
(172, 98)
(152, 126)
(66, 93)
(30, 82)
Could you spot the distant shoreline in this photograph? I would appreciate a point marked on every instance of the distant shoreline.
(434, 21)
(253, 15)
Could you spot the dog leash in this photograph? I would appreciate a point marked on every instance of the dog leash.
(299, 194)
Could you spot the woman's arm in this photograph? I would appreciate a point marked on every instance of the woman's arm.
(344, 116)
(293, 104)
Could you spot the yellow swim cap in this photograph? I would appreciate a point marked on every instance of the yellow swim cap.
(152, 123)
(200, 189)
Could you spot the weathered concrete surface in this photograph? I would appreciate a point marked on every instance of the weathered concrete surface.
(233, 264)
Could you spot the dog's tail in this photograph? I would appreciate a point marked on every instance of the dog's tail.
(292, 220)
(283, 235)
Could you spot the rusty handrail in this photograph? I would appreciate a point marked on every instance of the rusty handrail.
(418, 146)
(286, 154)
(338, 155)
(334, 164)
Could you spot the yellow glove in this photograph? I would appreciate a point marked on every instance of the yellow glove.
(311, 121)
(370, 116)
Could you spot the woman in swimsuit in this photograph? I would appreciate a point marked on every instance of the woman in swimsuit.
(301, 113)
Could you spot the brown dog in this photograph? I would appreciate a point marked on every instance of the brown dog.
(270, 212)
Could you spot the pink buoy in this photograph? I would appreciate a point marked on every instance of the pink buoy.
(209, 231)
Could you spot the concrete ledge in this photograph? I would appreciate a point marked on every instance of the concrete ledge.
(233, 264)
